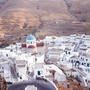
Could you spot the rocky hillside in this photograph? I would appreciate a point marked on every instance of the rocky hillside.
(43, 17)
(80, 9)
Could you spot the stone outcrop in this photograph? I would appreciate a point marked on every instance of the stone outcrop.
(3, 84)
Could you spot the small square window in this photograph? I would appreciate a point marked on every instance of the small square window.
(86, 59)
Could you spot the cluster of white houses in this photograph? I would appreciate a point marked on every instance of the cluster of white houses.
(70, 53)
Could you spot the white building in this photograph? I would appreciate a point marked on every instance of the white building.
(8, 69)
(31, 41)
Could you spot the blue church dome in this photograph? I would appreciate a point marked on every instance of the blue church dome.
(30, 37)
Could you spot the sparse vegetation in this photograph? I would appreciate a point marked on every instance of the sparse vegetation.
(19, 18)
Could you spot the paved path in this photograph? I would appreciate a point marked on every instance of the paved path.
(41, 84)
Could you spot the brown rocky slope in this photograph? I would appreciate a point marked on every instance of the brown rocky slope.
(43, 17)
